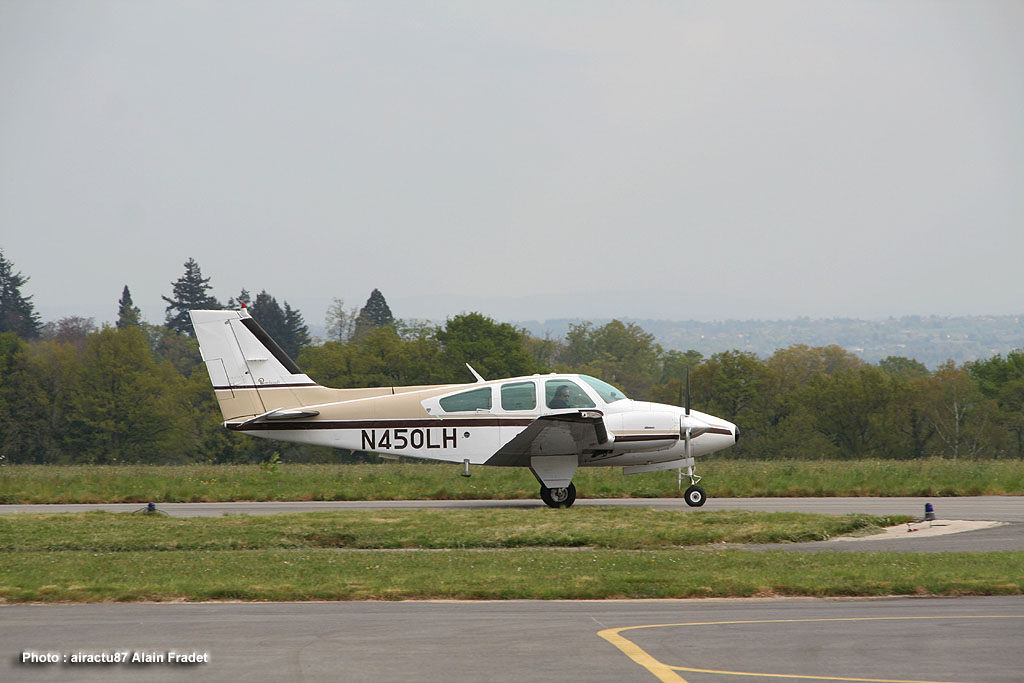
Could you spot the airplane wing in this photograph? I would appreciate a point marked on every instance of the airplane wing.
(559, 434)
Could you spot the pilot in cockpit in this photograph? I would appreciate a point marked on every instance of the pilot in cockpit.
(561, 398)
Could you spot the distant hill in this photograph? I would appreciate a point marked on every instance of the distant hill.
(930, 340)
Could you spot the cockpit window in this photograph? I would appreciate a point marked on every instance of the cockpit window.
(475, 399)
(564, 393)
(607, 392)
(519, 396)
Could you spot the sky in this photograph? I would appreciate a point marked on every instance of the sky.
(526, 159)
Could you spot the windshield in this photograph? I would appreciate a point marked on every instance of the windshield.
(607, 392)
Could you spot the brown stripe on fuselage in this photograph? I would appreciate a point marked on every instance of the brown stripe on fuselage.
(632, 438)
(386, 424)
(265, 386)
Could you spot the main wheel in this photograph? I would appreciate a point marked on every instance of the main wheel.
(558, 498)
(695, 496)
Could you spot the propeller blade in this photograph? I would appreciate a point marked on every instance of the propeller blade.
(687, 392)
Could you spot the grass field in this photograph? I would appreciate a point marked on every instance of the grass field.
(416, 481)
(611, 528)
(466, 554)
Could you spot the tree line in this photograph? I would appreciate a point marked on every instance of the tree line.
(71, 392)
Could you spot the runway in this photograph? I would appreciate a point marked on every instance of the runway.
(700, 641)
(1001, 508)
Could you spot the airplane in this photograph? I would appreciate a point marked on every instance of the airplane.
(552, 423)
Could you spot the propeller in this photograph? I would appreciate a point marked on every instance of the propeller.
(689, 427)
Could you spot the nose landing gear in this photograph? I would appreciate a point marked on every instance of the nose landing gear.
(695, 495)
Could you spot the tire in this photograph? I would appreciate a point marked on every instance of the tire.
(695, 496)
(558, 498)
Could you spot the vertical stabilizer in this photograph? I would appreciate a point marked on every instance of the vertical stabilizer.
(249, 371)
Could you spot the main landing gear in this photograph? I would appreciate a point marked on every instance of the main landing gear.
(560, 497)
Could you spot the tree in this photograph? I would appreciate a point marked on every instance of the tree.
(284, 325)
(17, 313)
(73, 330)
(375, 313)
(620, 353)
(546, 352)
(269, 314)
(191, 292)
(57, 367)
(241, 301)
(127, 406)
(729, 384)
(493, 349)
(128, 314)
(850, 407)
(24, 406)
(959, 412)
(1002, 379)
(907, 368)
(341, 323)
(298, 331)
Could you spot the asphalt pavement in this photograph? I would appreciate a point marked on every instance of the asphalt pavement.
(701, 641)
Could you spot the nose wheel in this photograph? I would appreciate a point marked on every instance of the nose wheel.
(695, 496)
(560, 497)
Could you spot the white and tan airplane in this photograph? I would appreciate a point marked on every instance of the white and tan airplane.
(549, 423)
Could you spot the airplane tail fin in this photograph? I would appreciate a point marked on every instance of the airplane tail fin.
(251, 374)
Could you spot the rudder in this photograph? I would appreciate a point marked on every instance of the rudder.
(250, 373)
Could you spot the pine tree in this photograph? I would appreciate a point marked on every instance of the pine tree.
(269, 314)
(17, 313)
(242, 300)
(284, 325)
(298, 331)
(128, 314)
(190, 293)
(375, 313)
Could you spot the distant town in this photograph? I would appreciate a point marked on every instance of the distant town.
(931, 340)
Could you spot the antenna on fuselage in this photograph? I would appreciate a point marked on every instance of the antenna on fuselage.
(475, 374)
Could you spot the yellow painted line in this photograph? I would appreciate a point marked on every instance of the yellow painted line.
(662, 672)
(813, 678)
(667, 673)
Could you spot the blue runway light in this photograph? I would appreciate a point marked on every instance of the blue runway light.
(929, 512)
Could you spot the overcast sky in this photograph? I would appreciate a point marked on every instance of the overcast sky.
(529, 160)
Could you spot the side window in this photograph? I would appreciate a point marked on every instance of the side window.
(518, 396)
(564, 393)
(476, 399)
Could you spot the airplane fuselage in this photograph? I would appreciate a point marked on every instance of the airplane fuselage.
(641, 432)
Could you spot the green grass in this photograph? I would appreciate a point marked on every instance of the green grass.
(85, 576)
(465, 554)
(622, 529)
(417, 481)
